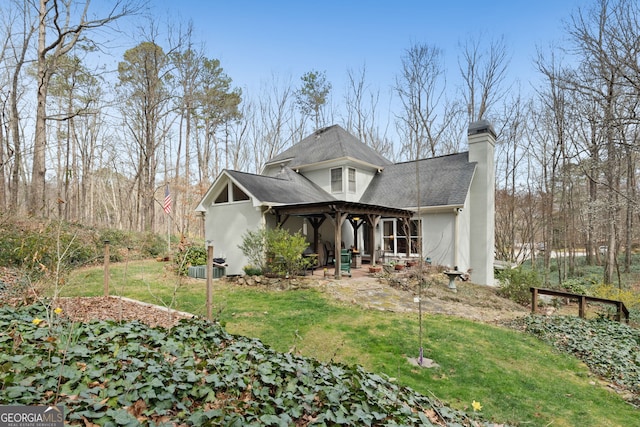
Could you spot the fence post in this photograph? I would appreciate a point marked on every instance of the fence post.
(534, 299)
(582, 308)
(209, 279)
(106, 268)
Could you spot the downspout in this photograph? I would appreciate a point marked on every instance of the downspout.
(263, 221)
(456, 234)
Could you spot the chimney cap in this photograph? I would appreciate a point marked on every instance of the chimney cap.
(481, 126)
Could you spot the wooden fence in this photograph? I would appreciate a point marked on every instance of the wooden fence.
(621, 310)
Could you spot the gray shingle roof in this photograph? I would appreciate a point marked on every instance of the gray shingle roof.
(444, 181)
(287, 187)
(326, 144)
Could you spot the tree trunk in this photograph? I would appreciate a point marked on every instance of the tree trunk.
(36, 203)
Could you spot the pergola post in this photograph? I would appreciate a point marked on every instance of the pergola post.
(373, 222)
(338, 212)
(315, 223)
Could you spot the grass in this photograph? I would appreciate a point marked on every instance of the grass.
(517, 378)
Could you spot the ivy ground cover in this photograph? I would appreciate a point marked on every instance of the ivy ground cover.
(108, 373)
(610, 349)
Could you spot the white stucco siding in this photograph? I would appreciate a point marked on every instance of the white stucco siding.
(225, 225)
(322, 178)
(482, 205)
(363, 179)
(438, 235)
(464, 244)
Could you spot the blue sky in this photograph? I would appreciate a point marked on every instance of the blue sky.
(255, 39)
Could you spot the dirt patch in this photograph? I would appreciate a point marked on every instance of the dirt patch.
(474, 302)
(118, 309)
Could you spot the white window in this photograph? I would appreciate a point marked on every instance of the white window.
(394, 237)
(223, 197)
(238, 194)
(414, 238)
(352, 180)
(388, 236)
(336, 180)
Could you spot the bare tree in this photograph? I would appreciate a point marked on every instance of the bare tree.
(276, 126)
(20, 26)
(361, 103)
(603, 79)
(60, 26)
(484, 73)
(74, 91)
(421, 88)
(513, 237)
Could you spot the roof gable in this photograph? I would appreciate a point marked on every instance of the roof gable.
(288, 187)
(325, 145)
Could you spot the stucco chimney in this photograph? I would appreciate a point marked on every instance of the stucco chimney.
(482, 140)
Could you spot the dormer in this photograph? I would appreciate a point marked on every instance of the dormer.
(334, 160)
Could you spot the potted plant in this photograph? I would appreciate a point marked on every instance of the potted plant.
(398, 266)
(375, 269)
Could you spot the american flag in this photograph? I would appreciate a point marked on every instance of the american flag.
(167, 200)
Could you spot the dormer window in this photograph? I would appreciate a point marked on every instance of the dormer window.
(352, 180)
(336, 180)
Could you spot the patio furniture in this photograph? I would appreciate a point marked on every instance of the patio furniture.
(345, 261)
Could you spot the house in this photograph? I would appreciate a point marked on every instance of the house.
(341, 193)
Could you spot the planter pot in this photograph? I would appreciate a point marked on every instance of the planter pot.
(375, 269)
(398, 266)
(412, 263)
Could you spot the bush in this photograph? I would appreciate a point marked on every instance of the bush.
(153, 244)
(190, 256)
(250, 270)
(630, 298)
(275, 251)
(47, 247)
(254, 248)
(515, 284)
(285, 251)
(575, 286)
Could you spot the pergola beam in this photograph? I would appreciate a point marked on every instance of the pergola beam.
(338, 212)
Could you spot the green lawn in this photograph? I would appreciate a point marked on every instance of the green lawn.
(515, 377)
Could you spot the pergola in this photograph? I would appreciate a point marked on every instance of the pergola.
(338, 212)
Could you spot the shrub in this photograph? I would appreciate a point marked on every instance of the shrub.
(254, 247)
(630, 298)
(250, 270)
(153, 244)
(190, 256)
(275, 251)
(515, 284)
(286, 251)
(575, 286)
(51, 246)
